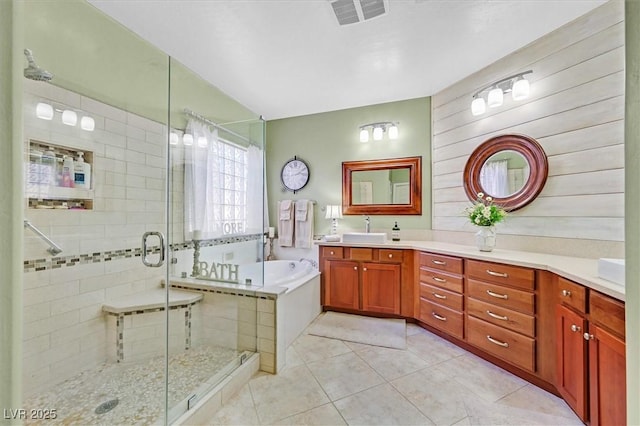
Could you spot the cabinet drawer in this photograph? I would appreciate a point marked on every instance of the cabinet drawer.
(505, 297)
(387, 255)
(442, 318)
(607, 311)
(333, 252)
(511, 347)
(503, 317)
(441, 296)
(360, 253)
(572, 294)
(515, 276)
(440, 279)
(443, 263)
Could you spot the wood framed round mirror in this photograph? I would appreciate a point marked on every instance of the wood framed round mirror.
(512, 169)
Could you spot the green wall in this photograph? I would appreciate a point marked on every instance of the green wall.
(632, 207)
(91, 54)
(325, 140)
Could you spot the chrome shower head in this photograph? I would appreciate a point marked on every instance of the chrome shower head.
(34, 72)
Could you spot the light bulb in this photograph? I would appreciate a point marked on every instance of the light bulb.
(87, 123)
(202, 142)
(44, 111)
(377, 133)
(187, 139)
(393, 132)
(495, 97)
(364, 135)
(520, 89)
(478, 106)
(173, 138)
(70, 118)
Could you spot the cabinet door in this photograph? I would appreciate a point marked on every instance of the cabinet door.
(381, 288)
(607, 376)
(341, 284)
(571, 367)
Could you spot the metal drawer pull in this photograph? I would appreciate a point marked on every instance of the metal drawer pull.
(575, 328)
(566, 293)
(497, 342)
(439, 262)
(364, 269)
(355, 268)
(438, 317)
(390, 256)
(587, 336)
(499, 296)
(439, 296)
(497, 274)
(496, 316)
(438, 279)
(332, 252)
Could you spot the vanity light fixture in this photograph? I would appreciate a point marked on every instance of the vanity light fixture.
(334, 212)
(46, 111)
(517, 84)
(378, 129)
(173, 138)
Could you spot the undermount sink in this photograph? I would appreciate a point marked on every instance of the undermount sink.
(364, 237)
(611, 270)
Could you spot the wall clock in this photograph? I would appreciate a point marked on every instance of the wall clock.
(294, 174)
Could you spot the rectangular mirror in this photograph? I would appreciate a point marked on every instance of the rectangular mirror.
(380, 187)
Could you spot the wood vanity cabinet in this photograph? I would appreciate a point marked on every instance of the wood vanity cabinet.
(441, 300)
(364, 279)
(500, 311)
(590, 357)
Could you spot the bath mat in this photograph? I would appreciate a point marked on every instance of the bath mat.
(387, 332)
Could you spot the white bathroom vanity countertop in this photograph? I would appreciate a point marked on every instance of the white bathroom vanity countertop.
(581, 270)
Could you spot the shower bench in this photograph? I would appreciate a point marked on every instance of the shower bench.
(150, 301)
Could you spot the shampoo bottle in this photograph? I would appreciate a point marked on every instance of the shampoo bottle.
(395, 232)
(67, 172)
(80, 175)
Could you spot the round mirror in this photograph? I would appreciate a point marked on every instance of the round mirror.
(504, 173)
(510, 168)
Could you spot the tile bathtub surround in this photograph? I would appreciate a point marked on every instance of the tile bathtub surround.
(433, 382)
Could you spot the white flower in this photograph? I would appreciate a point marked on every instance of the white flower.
(480, 194)
(477, 220)
(486, 212)
(489, 198)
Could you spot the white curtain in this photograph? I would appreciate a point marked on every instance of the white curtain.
(202, 175)
(214, 196)
(257, 211)
(494, 178)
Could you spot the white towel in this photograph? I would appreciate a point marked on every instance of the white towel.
(304, 228)
(301, 210)
(285, 223)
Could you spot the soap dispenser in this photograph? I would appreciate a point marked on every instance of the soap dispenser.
(81, 172)
(67, 172)
(395, 232)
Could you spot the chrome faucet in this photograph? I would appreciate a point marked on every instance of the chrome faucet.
(367, 224)
(310, 261)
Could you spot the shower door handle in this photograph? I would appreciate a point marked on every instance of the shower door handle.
(145, 249)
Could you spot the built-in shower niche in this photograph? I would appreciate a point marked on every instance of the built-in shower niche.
(49, 185)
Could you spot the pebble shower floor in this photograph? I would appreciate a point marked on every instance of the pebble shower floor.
(139, 388)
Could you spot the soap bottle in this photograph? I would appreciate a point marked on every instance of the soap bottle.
(49, 174)
(395, 232)
(79, 175)
(67, 171)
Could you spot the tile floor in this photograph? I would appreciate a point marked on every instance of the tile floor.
(334, 382)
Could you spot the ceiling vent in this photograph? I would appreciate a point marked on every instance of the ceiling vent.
(352, 11)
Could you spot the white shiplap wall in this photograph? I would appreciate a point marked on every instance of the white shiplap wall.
(575, 111)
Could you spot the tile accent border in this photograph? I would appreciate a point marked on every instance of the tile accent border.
(42, 264)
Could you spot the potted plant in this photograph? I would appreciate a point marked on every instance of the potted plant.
(485, 214)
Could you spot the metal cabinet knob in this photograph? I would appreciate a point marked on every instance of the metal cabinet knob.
(575, 328)
(587, 336)
(566, 293)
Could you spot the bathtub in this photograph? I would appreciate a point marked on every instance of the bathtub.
(294, 287)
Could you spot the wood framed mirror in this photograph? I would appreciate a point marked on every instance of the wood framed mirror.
(382, 187)
(512, 169)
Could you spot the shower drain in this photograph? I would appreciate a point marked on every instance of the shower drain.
(107, 406)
